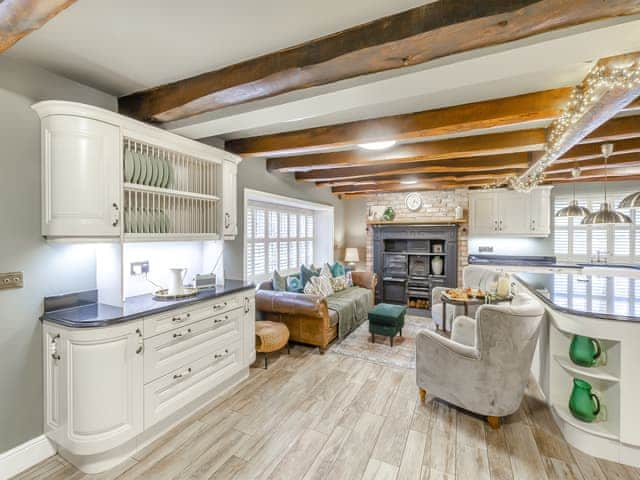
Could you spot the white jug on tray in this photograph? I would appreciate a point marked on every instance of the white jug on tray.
(176, 280)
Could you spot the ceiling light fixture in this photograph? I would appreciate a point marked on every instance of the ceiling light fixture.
(409, 181)
(382, 145)
(573, 209)
(606, 215)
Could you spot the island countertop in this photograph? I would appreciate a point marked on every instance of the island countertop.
(596, 296)
(82, 310)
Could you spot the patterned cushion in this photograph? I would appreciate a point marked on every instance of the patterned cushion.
(338, 270)
(323, 284)
(339, 283)
(325, 271)
(307, 273)
(294, 284)
(279, 282)
(311, 289)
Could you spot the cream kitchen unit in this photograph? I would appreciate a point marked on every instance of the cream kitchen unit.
(116, 379)
(107, 176)
(507, 212)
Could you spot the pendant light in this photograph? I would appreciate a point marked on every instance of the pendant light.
(606, 215)
(573, 209)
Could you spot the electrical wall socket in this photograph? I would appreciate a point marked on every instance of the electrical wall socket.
(139, 268)
(11, 280)
(485, 249)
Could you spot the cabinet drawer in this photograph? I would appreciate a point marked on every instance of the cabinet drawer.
(167, 321)
(179, 387)
(168, 351)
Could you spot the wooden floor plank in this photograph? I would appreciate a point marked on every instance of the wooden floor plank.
(525, 457)
(352, 460)
(313, 417)
(411, 465)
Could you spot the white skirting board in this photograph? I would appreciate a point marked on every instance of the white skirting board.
(25, 456)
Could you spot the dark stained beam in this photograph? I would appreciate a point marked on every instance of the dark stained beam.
(616, 129)
(439, 177)
(468, 165)
(431, 31)
(462, 147)
(545, 105)
(19, 18)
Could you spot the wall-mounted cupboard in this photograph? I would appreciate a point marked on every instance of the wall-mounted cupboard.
(105, 175)
(507, 212)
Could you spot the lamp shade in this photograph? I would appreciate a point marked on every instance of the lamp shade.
(573, 210)
(605, 216)
(351, 255)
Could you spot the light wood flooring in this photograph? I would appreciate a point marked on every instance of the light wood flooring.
(312, 416)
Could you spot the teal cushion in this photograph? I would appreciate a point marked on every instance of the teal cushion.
(279, 282)
(307, 273)
(294, 284)
(337, 270)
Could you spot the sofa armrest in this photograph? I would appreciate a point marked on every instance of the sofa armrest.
(364, 279)
(291, 303)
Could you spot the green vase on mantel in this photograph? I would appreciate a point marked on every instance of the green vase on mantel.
(584, 351)
(583, 404)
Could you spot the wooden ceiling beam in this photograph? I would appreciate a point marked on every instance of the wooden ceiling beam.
(444, 185)
(597, 174)
(587, 151)
(18, 18)
(437, 177)
(430, 31)
(592, 179)
(545, 105)
(616, 129)
(591, 163)
(462, 147)
(469, 165)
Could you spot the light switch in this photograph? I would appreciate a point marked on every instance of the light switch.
(11, 280)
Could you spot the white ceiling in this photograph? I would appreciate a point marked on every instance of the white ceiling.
(120, 46)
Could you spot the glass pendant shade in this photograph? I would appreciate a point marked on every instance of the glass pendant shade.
(573, 210)
(606, 216)
(630, 201)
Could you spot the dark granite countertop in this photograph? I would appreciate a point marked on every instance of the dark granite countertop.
(597, 296)
(81, 310)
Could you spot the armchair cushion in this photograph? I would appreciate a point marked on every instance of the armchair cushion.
(306, 274)
(279, 282)
(464, 331)
(338, 270)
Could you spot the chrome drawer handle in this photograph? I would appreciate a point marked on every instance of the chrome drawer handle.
(220, 355)
(181, 319)
(180, 334)
(219, 305)
(54, 347)
(183, 374)
(220, 320)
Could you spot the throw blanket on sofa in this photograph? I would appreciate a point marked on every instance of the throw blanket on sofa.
(352, 306)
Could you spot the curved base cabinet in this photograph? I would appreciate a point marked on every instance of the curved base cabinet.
(111, 390)
(614, 434)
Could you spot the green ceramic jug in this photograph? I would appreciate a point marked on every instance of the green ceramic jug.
(583, 404)
(584, 351)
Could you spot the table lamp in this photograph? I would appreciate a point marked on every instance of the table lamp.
(351, 256)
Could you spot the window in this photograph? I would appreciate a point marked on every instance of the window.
(278, 238)
(581, 243)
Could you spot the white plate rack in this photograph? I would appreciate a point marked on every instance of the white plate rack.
(168, 195)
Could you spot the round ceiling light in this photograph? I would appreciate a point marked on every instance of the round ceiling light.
(383, 145)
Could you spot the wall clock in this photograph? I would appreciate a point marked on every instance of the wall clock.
(413, 201)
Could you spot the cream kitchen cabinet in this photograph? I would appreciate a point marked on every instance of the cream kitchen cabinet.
(111, 390)
(80, 177)
(107, 175)
(507, 212)
(230, 199)
(93, 388)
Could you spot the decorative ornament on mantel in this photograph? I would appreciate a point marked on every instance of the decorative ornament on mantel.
(607, 89)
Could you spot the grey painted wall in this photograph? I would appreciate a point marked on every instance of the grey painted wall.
(252, 173)
(48, 268)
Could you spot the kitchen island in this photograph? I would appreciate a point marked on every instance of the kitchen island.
(606, 309)
(116, 378)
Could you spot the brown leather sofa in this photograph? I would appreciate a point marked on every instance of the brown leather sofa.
(307, 316)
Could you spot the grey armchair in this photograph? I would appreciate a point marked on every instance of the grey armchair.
(484, 368)
(473, 276)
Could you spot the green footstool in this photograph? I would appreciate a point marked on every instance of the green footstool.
(386, 319)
